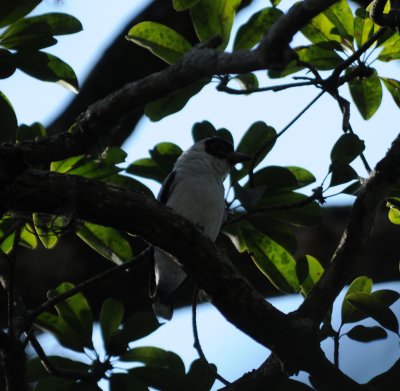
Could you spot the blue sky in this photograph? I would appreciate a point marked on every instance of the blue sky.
(306, 144)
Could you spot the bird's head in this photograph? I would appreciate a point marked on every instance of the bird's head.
(213, 153)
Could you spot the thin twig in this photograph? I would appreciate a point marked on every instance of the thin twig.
(197, 345)
(85, 284)
(56, 371)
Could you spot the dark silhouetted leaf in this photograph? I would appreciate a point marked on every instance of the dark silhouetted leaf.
(199, 376)
(393, 86)
(160, 378)
(367, 334)
(346, 149)
(32, 132)
(12, 10)
(8, 120)
(126, 382)
(111, 315)
(181, 5)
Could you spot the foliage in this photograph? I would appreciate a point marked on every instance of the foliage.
(266, 202)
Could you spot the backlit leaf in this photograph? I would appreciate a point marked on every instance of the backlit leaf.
(393, 86)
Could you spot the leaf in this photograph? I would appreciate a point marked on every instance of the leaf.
(155, 357)
(161, 40)
(258, 135)
(364, 27)
(319, 57)
(111, 315)
(346, 149)
(163, 158)
(291, 67)
(32, 132)
(275, 262)
(107, 241)
(308, 271)
(341, 16)
(387, 381)
(12, 10)
(372, 307)
(37, 32)
(321, 29)
(391, 50)
(46, 67)
(66, 165)
(160, 378)
(8, 120)
(125, 382)
(65, 335)
(247, 81)
(137, 326)
(366, 93)
(255, 28)
(367, 334)
(308, 215)
(342, 173)
(28, 238)
(129, 183)
(214, 18)
(349, 313)
(303, 176)
(55, 384)
(393, 86)
(202, 130)
(199, 376)
(386, 296)
(182, 5)
(75, 312)
(394, 216)
(173, 102)
(35, 370)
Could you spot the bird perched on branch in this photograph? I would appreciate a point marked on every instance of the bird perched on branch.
(195, 190)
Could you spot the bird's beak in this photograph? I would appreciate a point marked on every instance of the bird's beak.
(237, 157)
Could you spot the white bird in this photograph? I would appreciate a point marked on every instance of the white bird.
(195, 190)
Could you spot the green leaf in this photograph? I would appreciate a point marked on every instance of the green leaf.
(349, 313)
(66, 165)
(65, 335)
(12, 10)
(247, 81)
(48, 228)
(8, 120)
(165, 154)
(214, 18)
(255, 28)
(319, 57)
(391, 50)
(182, 5)
(160, 378)
(342, 173)
(32, 132)
(155, 357)
(35, 370)
(308, 271)
(37, 32)
(202, 130)
(125, 382)
(199, 376)
(341, 16)
(366, 93)
(161, 40)
(364, 27)
(291, 67)
(372, 307)
(387, 381)
(137, 326)
(393, 86)
(147, 168)
(367, 334)
(308, 215)
(394, 216)
(303, 176)
(28, 238)
(46, 67)
(107, 241)
(259, 134)
(75, 312)
(111, 315)
(386, 296)
(274, 261)
(346, 149)
(321, 29)
(129, 183)
(173, 102)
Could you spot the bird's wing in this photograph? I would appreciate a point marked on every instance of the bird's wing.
(167, 187)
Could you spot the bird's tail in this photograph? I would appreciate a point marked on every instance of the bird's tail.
(167, 278)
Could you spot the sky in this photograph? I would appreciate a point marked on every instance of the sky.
(306, 144)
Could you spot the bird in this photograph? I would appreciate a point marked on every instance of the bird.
(195, 190)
